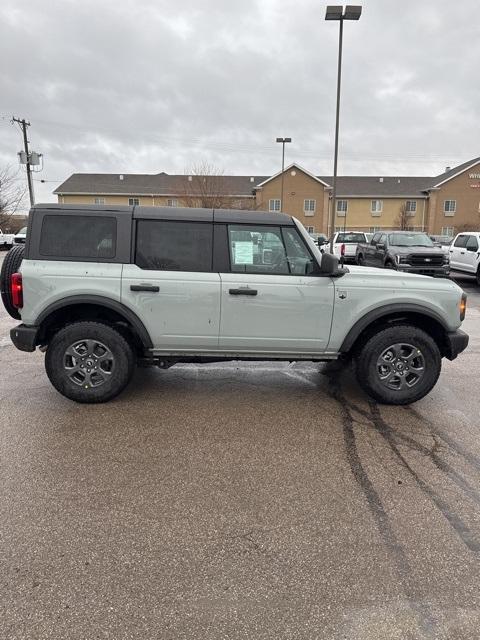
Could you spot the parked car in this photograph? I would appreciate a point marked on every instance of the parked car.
(100, 289)
(345, 244)
(6, 240)
(20, 237)
(321, 240)
(407, 251)
(465, 253)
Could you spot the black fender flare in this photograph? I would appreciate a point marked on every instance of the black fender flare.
(383, 312)
(100, 301)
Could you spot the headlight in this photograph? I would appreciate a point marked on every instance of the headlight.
(446, 259)
(402, 259)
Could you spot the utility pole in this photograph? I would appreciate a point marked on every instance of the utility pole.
(23, 125)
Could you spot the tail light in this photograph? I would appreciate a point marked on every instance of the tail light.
(342, 250)
(463, 306)
(16, 289)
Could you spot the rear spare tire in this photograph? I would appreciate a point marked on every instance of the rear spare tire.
(398, 365)
(11, 264)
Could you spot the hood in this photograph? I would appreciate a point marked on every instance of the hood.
(372, 277)
(418, 250)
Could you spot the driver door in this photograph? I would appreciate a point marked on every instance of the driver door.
(269, 304)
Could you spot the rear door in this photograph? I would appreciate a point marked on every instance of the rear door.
(171, 286)
(457, 252)
(269, 302)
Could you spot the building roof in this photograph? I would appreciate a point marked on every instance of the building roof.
(364, 186)
(159, 184)
(156, 184)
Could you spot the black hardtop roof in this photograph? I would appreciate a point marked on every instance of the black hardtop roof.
(187, 214)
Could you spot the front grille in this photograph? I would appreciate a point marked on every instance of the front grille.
(425, 260)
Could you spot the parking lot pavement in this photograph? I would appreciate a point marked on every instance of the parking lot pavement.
(240, 501)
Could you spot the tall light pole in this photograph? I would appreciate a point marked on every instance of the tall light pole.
(338, 13)
(283, 142)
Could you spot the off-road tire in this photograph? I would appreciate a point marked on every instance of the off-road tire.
(389, 265)
(367, 364)
(122, 356)
(11, 264)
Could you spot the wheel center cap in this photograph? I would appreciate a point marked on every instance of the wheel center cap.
(89, 363)
(400, 366)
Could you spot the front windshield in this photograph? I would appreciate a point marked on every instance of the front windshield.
(410, 240)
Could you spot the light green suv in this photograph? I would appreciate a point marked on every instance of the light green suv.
(101, 288)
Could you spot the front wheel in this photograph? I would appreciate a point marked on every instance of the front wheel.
(89, 362)
(478, 276)
(399, 365)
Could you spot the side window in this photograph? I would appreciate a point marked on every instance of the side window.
(72, 236)
(461, 241)
(257, 249)
(376, 238)
(300, 262)
(165, 245)
(383, 239)
(472, 244)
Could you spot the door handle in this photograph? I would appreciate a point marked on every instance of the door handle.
(462, 252)
(243, 292)
(144, 287)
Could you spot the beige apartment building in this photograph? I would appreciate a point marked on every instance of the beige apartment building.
(440, 204)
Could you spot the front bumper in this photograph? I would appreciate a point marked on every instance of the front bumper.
(455, 343)
(25, 338)
(439, 272)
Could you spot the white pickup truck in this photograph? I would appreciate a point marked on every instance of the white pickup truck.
(6, 240)
(465, 253)
(345, 244)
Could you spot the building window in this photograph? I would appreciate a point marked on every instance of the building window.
(448, 231)
(338, 229)
(411, 207)
(374, 229)
(449, 207)
(310, 230)
(99, 201)
(133, 202)
(342, 207)
(376, 207)
(275, 204)
(309, 207)
(172, 202)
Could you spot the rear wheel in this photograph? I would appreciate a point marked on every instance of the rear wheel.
(89, 362)
(11, 264)
(399, 365)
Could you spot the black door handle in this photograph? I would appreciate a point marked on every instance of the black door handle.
(242, 292)
(144, 287)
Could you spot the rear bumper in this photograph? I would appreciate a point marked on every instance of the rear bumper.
(456, 342)
(25, 338)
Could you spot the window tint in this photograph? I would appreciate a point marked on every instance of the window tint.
(461, 241)
(164, 245)
(78, 237)
(472, 244)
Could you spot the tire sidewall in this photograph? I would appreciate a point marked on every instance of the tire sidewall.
(11, 264)
(374, 347)
(121, 350)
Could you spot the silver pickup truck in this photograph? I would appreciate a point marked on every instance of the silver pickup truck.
(101, 288)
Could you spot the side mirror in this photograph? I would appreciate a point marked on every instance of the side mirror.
(329, 266)
(380, 245)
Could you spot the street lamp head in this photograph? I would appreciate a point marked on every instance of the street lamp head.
(283, 140)
(334, 12)
(352, 12)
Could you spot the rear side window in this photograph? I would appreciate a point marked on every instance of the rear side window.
(78, 237)
(165, 245)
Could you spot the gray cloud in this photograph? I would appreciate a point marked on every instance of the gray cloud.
(153, 86)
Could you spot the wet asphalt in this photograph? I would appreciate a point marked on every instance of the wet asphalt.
(240, 501)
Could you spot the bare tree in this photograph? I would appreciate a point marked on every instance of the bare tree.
(12, 195)
(402, 221)
(204, 187)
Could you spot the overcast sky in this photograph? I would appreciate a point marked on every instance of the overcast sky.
(157, 85)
